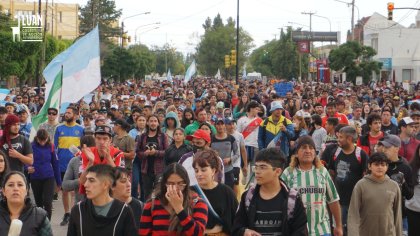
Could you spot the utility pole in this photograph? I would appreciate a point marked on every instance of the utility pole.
(310, 30)
(237, 44)
(352, 20)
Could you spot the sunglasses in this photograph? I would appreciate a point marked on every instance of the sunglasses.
(52, 113)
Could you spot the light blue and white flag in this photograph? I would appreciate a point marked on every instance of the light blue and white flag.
(81, 68)
(190, 72)
(3, 93)
(169, 76)
(244, 72)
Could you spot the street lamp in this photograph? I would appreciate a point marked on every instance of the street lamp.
(122, 23)
(324, 18)
(147, 31)
(135, 32)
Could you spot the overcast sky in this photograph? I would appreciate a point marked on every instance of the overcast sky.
(182, 19)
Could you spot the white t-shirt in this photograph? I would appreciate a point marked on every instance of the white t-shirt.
(252, 139)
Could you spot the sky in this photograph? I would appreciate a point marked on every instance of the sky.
(181, 20)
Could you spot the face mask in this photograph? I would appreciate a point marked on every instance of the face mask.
(197, 148)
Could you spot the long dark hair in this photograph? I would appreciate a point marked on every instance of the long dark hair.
(158, 130)
(415, 165)
(161, 189)
(184, 121)
(6, 167)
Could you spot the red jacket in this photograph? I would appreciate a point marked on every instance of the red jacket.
(342, 119)
(408, 150)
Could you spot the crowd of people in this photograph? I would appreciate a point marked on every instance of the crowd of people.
(215, 158)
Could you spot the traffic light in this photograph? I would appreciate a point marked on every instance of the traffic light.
(390, 10)
(227, 61)
(233, 57)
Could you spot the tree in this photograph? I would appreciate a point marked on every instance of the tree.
(144, 60)
(355, 60)
(103, 13)
(20, 59)
(119, 64)
(168, 58)
(218, 40)
(279, 58)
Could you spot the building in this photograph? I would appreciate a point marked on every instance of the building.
(397, 47)
(62, 18)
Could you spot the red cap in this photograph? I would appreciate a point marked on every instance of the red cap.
(200, 134)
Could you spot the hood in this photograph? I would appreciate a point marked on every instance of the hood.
(370, 178)
(171, 114)
(103, 221)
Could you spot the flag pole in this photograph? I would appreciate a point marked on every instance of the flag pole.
(61, 89)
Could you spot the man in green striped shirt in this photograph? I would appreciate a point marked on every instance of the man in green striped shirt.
(316, 188)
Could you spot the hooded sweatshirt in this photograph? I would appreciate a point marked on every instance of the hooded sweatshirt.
(118, 222)
(170, 134)
(375, 208)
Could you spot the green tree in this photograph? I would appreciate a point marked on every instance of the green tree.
(144, 60)
(218, 41)
(279, 58)
(355, 60)
(167, 57)
(119, 64)
(103, 13)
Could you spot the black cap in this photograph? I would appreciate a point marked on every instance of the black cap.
(103, 129)
(122, 123)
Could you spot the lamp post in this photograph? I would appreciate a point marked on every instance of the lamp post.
(157, 27)
(125, 18)
(138, 27)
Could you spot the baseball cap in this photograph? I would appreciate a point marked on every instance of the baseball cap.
(200, 134)
(122, 123)
(276, 105)
(226, 121)
(103, 129)
(306, 106)
(220, 105)
(405, 121)
(115, 106)
(415, 113)
(391, 140)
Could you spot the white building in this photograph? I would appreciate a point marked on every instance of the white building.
(397, 47)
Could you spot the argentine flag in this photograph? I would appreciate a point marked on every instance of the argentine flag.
(190, 72)
(81, 69)
(244, 72)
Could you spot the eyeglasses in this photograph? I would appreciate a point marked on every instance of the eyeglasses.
(262, 168)
(52, 114)
(179, 184)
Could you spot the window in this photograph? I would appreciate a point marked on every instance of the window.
(406, 75)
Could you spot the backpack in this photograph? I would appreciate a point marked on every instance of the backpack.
(358, 152)
(291, 199)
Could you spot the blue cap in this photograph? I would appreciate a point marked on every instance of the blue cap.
(276, 105)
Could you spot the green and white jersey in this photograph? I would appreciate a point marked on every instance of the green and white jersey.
(316, 189)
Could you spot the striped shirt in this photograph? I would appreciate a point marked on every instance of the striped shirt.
(65, 136)
(156, 221)
(317, 190)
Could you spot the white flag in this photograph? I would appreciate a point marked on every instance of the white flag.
(190, 72)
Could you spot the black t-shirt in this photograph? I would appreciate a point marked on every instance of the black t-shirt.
(348, 171)
(390, 129)
(151, 142)
(137, 208)
(224, 202)
(268, 220)
(21, 145)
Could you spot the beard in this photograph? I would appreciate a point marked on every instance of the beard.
(152, 129)
(68, 119)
